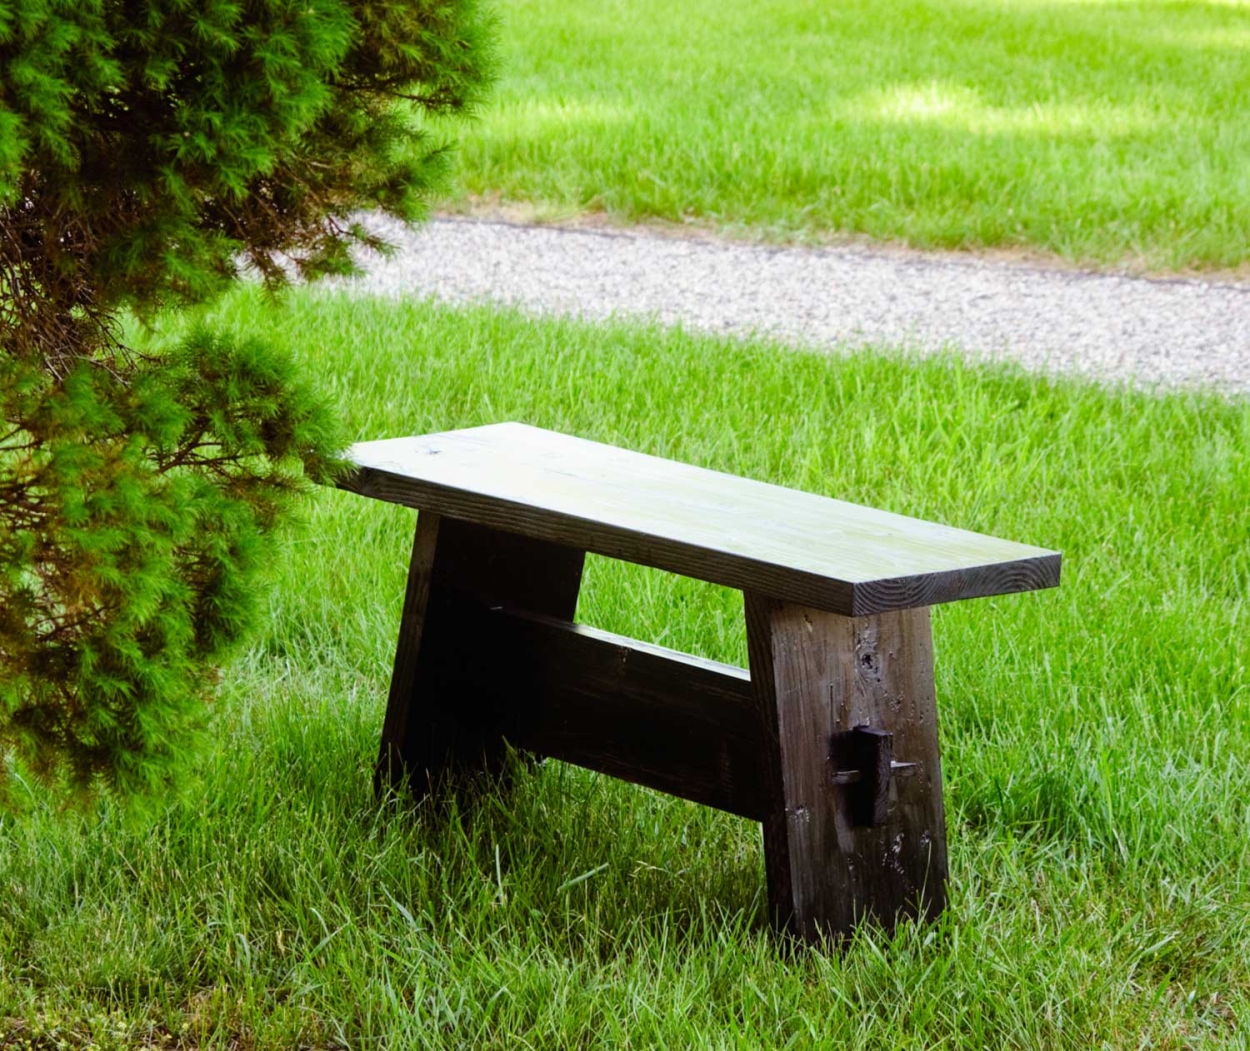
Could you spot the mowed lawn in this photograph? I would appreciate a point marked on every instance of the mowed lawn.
(1102, 132)
(1095, 743)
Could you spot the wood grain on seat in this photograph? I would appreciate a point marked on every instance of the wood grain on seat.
(807, 549)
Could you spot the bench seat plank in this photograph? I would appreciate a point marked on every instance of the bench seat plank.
(808, 549)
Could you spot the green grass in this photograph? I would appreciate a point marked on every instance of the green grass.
(1100, 131)
(1094, 739)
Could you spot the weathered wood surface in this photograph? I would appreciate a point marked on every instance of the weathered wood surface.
(818, 675)
(838, 633)
(806, 549)
(437, 722)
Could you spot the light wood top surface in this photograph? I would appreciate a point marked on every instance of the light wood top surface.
(795, 546)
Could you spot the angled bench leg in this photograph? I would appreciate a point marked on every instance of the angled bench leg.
(833, 856)
(449, 710)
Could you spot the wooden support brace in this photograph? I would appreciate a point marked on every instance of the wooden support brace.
(815, 742)
(643, 713)
(835, 855)
(438, 722)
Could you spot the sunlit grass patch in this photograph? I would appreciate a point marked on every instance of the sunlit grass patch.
(1106, 132)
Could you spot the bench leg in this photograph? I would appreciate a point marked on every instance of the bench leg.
(449, 710)
(816, 677)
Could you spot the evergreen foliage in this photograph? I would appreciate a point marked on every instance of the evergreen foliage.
(149, 151)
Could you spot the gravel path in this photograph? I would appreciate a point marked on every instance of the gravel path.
(1168, 332)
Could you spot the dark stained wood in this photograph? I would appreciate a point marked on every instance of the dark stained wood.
(806, 549)
(490, 673)
(868, 753)
(830, 741)
(396, 754)
(818, 675)
(649, 715)
(438, 722)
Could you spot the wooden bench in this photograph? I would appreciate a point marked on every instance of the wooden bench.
(830, 741)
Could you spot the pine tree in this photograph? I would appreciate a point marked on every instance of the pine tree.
(150, 150)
